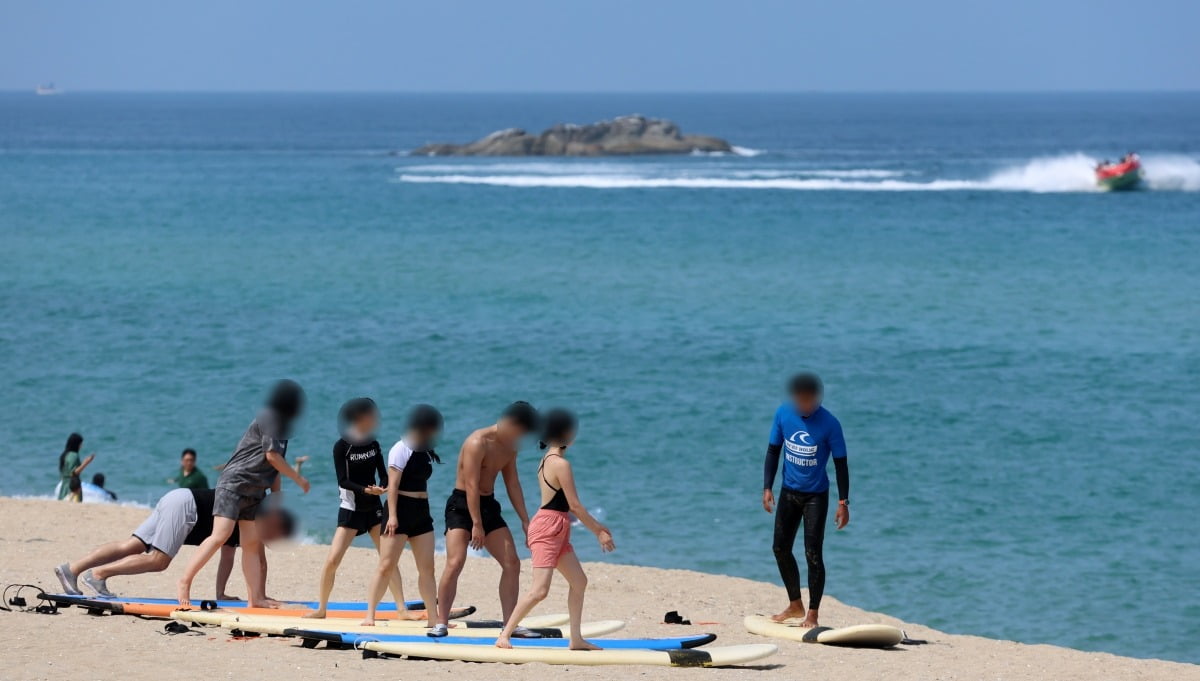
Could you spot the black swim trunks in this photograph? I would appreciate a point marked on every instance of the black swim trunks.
(458, 517)
(412, 515)
(360, 521)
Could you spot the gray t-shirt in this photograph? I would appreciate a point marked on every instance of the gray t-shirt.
(248, 472)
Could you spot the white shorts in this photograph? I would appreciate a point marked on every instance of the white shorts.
(169, 523)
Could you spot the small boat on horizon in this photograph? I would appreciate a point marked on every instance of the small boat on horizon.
(1124, 175)
(47, 89)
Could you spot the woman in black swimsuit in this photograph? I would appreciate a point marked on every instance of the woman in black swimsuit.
(410, 463)
(358, 460)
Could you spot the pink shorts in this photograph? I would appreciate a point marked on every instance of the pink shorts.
(549, 537)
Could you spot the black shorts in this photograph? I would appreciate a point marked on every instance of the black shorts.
(360, 521)
(413, 516)
(458, 517)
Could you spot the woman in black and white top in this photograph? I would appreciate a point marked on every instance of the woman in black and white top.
(410, 463)
(358, 460)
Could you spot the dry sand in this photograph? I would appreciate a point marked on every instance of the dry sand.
(36, 535)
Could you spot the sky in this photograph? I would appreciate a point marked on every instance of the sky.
(601, 45)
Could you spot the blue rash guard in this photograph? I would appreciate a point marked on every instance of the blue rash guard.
(806, 445)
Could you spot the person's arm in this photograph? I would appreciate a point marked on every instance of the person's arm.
(84, 464)
(472, 461)
(771, 464)
(340, 465)
(393, 492)
(837, 449)
(280, 464)
(566, 481)
(512, 484)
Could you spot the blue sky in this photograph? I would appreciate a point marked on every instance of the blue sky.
(601, 45)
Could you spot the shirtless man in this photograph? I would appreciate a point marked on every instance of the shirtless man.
(473, 515)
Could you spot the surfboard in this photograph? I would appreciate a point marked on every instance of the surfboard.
(355, 639)
(860, 636)
(277, 626)
(165, 609)
(385, 606)
(692, 657)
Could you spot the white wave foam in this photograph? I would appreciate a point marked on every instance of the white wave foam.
(1054, 174)
(747, 151)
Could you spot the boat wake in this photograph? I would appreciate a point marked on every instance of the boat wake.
(1054, 174)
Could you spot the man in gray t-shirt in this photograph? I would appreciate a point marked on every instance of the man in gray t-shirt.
(252, 470)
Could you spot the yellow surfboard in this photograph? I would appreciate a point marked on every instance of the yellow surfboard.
(859, 636)
(693, 657)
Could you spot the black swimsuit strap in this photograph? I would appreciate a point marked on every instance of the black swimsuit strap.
(542, 472)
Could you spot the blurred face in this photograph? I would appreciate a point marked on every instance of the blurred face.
(567, 441)
(270, 527)
(806, 403)
(367, 423)
(510, 431)
(188, 463)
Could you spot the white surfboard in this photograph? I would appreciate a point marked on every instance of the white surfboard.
(860, 636)
(694, 657)
(220, 617)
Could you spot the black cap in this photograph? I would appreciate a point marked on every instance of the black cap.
(557, 425)
(425, 417)
(806, 383)
(523, 414)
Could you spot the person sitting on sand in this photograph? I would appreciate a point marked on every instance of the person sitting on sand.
(70, 466)
(253, 468)
(410, 465)
(550, 531)
(189, 477)
(473, 516)
(811, 435)
(359, 466)
(182, 516)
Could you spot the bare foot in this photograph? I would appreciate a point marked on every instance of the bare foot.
(317, 615)
(265, 604)
(227, 597)
(503, 642)
(412, 615)
(183, 590)
(810, 621)
(584, 645)
(793, 611)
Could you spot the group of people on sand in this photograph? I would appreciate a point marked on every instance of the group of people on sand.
(387, 498)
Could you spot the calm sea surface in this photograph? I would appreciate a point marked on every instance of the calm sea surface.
(1014, 355)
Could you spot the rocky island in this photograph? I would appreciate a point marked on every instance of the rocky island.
(624, 136)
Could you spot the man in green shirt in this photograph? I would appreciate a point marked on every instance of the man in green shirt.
(190, 476)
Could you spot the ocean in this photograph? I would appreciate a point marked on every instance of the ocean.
(1013, 354)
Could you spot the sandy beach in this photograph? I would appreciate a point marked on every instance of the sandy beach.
(35, 535)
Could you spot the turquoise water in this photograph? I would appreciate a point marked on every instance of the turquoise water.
(1013, 355)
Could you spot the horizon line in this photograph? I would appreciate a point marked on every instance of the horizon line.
(1081, 91)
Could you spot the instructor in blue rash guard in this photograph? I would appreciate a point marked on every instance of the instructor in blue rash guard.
(808, 435)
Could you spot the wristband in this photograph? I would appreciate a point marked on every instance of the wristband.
(844, 502)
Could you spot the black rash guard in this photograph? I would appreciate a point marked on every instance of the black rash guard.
(358, 467)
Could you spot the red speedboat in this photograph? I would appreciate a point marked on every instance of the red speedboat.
(1127, 174)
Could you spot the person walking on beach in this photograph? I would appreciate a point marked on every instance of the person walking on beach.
(190, 476)
(70, 465)
(550, 531)
(181, 516)
(358, 463)
(253, 468)
(410, 465)
(473, 518)
(808, 435)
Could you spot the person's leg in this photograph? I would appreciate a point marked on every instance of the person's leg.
(155, 561)
(108, 553)
(572, 571)
(224, 570)
(500, 544)
(252, 564)
(222, 528)
(395, 584)
(422, 547)
(457, 541)
(816, 510)
(788, 515)
(537, 593)
(390, 548)
(342, 537)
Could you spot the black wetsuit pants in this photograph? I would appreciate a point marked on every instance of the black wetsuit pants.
(811, 509)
